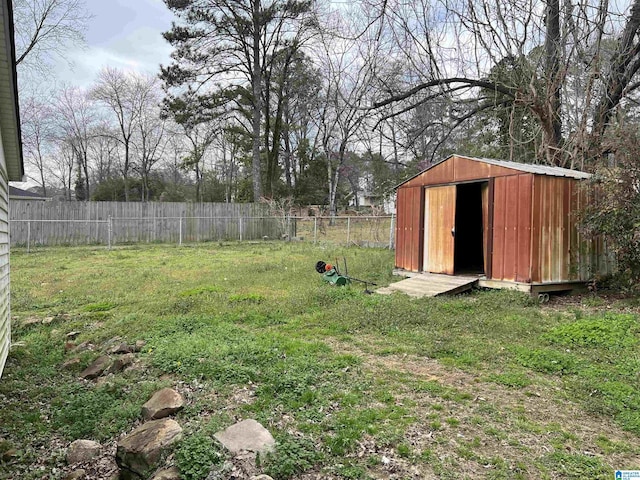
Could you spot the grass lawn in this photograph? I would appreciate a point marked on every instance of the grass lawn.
(487, 385)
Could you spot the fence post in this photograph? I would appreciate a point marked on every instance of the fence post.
(315, 230)
(288, 228)
(29, 236)
(391, 233)
(348, 229)
(109, 231)
(240, 227)
(180, 232)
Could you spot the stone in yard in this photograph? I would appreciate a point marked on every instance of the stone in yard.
(31, 321)
(138, 345)
(121, 363)
(246, 436)
(72, 335)
(140, 452)
(261, 477)
(9, 455)
(120, 349)
(84, 346)
(72, 362)
(82, 451)
(97, 368)
(167, 474)
(48, 320)
(163, 403)
(76, 475)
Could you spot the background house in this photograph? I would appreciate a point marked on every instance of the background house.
(11, 165)
(19, 195)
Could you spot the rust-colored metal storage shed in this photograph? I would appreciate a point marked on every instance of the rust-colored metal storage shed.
(512, 224)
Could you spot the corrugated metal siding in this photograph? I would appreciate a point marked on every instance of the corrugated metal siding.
(511, 253)
(553, 229)
(560, 252)
(440, 218)
(409, 212)
(458, 169)
(5, 318)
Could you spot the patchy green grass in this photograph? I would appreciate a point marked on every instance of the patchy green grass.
(485, 385)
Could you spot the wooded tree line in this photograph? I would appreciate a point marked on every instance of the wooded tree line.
(321, 100)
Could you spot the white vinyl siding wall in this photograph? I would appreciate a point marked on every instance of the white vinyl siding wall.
(5, 317)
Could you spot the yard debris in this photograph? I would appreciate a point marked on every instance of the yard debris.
(163, 403)
(247, 436)
(72, 335)
(82, 451)
(139, 453)
(48, 320)
(97, 368)
(261, 477)
(139, 345)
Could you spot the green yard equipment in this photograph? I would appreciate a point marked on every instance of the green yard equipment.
(331, 274)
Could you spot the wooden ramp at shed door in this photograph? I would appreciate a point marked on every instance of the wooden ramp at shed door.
(430, 285)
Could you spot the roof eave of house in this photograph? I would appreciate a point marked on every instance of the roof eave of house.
(9, 108)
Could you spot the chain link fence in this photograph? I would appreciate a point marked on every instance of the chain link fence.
(364, 231)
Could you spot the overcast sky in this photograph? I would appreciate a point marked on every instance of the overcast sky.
(124, 34)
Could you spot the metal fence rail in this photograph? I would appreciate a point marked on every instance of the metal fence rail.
(366, 231)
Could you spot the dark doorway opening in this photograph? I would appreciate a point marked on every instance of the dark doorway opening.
(469, 248)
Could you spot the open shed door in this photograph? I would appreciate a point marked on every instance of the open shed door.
(439, 224)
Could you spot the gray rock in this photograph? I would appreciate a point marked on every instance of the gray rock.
(72, 362)
(121, 363)
(138, 345)
(86, 345)
(97, 368)
(82, 451)
(140, 452)
(261, 477)
(48, 320)
(246, 436)
(163, 403)
(120, 349)
(76, 474)
(167, 474)
(72, 335)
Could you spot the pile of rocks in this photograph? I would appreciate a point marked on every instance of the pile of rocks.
(142, 454)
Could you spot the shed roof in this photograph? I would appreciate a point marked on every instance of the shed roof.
(522, 167)
(9, 111)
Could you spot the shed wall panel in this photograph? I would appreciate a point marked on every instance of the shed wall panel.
(408, 229)
(554, 227)
(511, 253)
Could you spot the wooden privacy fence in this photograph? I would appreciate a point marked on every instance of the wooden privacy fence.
(109, 223)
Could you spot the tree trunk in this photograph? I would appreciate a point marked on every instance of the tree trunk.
(553, 132)
(257, 102)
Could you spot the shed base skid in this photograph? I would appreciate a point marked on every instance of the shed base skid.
(482, 282)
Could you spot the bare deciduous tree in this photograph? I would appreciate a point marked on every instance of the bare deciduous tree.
(46, 28)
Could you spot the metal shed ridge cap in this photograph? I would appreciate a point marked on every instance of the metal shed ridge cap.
(523, 167)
